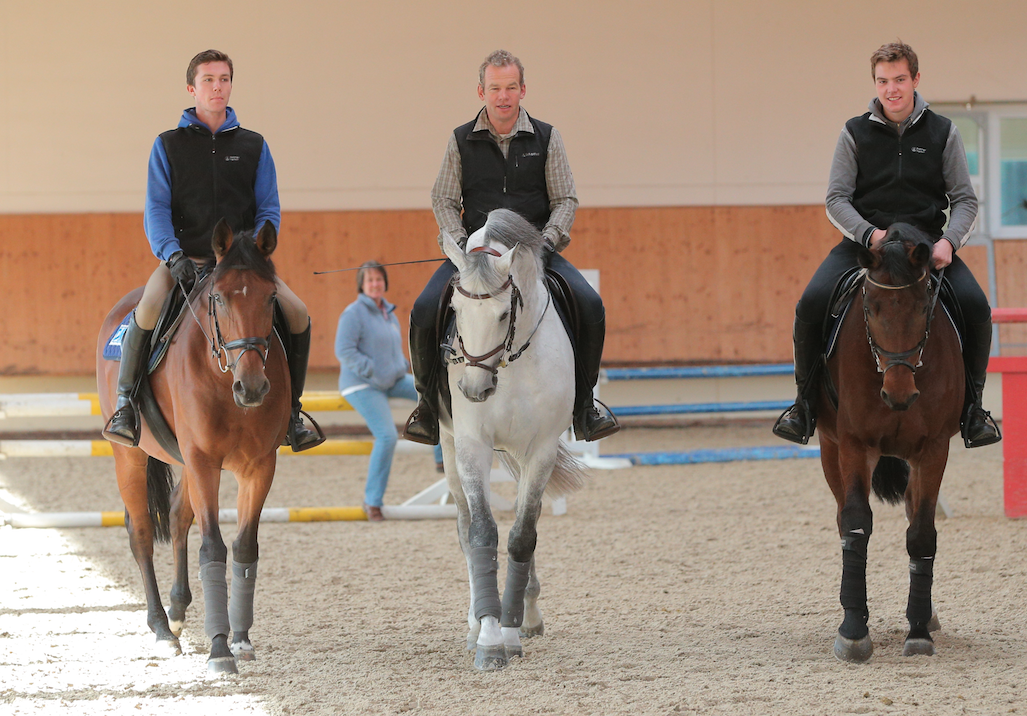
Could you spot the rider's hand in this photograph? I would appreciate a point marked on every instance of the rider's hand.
(877, 237)
(942, 255)
(182, 268)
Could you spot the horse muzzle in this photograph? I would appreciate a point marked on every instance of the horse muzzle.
(250, 394)
(478, 391)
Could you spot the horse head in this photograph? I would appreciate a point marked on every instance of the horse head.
(241, 308)
(499, 261)
(898, 306)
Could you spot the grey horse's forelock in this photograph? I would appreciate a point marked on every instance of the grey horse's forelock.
(507, 229)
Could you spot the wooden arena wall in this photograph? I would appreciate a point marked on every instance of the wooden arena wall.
(680, 284)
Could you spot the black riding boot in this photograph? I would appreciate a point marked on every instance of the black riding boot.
(423, 424)
(592, 420)
(300, 436)
(123, 427)
(799, 421)
(978, 427)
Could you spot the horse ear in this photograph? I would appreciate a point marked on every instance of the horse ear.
(921, 254)
(506, 261)
(452, 249)
(865, 257)
(222, 239)
(267, 239)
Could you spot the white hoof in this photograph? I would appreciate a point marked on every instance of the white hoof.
(933, 625)
(167, 648)
(490, 658)
(222, 665)
(176, 626)
(918, 647)
(243, 651)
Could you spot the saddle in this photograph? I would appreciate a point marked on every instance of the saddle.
(445, 327)
(175, 310)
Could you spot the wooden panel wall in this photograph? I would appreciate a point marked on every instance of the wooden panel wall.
(681, 284)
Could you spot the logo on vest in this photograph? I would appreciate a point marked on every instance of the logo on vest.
(918, 150)
(532, 154)
(231, 158)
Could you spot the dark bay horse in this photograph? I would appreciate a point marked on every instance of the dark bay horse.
(899, 380)
(224, 389)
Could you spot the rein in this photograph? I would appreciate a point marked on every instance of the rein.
(892, 359)
(516, 299)
(216, 340)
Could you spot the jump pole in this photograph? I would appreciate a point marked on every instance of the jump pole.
(41, 520)
(102, 448)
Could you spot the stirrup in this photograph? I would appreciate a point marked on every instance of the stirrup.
(785, 426)
(989, 438)
(295, 422)
(604, 425)
(119, 438)
(416, 429)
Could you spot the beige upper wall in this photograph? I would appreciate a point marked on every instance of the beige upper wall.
(660, 103)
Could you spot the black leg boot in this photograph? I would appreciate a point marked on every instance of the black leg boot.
(978, 427)
(423, 424)
(798, 422)
(123, 427)
(300, 436)
(592, 420)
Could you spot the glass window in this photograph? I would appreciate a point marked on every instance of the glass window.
(1013, 170)
(969, 130)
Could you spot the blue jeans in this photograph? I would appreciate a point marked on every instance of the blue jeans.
(373, 406)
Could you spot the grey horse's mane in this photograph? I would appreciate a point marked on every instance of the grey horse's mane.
(503, 228)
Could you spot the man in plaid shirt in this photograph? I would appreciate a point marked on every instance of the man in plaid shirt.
(506, 159)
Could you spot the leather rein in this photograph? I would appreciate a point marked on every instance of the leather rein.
(216, 340)
(903, 358)
(516, 300)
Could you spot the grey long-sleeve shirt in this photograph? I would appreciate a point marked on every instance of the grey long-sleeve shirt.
(842, 184)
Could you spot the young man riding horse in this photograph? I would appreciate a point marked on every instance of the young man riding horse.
(898, 162)
(206, 169)
(506, 159)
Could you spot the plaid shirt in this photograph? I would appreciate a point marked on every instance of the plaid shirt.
(447, 194)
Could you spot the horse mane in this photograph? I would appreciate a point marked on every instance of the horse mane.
(897, 249)
(507, 229)
(243, 255)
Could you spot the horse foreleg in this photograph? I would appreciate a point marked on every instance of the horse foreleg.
(203, 491)
(253, 489)
(922, 545)
(181, 522)
(474, 465)
(855, 525)
(130, 466)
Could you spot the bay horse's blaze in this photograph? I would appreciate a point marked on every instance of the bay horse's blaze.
(224, 389)
(898, 374)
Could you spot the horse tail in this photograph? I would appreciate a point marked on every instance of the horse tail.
(890, 479)
(568, 472)
(159, 481)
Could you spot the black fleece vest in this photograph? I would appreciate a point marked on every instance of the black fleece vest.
(212, 177)
(492, 182)
(901, 178)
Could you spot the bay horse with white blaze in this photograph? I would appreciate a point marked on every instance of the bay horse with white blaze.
(511, 378)
(898, 376)
(228, 403)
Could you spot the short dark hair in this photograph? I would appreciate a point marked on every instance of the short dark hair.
(893, 52)
(368, 266)
(499, 58)
(202, 59)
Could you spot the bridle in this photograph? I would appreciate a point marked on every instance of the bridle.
(516, 300)
(904, 358)
(216, 340)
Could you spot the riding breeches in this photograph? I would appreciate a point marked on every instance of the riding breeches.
(160, 283)
(813, 305)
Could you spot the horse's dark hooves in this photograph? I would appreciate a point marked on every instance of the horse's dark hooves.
(222, 665)
(490, 658)
(854, 651)
(918, 647)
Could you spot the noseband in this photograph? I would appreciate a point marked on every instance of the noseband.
(219, 347)
(507, 344)
(904, 358)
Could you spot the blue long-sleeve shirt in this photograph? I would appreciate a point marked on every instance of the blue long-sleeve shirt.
(157, 220)
(369, 346)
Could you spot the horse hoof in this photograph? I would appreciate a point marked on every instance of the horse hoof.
(933, 624)
(918, 647)
(528, 632)
(243, 651)
(167, 648)
(176, 626)
(855, 651)
(512, 651)
(222, 665)
(490, 658)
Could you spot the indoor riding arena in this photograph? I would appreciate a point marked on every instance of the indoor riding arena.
(697, 570)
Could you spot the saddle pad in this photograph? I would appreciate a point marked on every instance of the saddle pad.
(112, 348)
